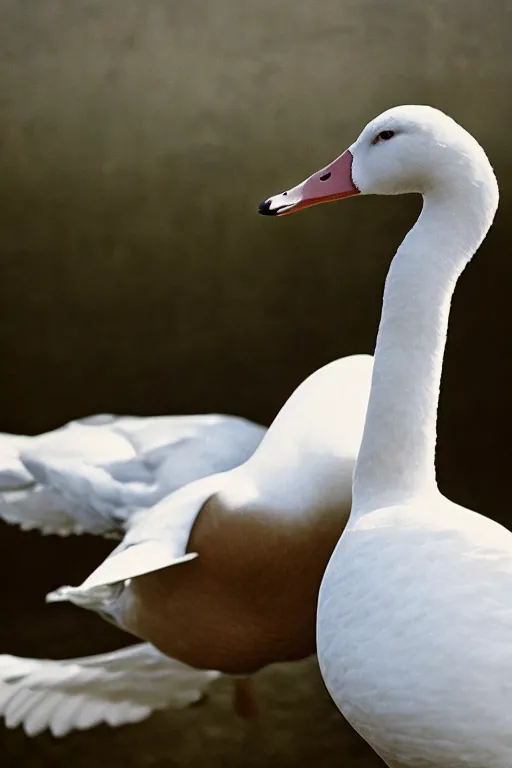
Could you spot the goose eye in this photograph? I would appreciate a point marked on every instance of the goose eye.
(383, 136)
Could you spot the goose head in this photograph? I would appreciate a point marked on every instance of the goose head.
(405, 149)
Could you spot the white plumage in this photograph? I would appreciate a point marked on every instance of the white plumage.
(90, 474)
(116, 688)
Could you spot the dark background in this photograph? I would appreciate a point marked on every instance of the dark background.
(136, 140)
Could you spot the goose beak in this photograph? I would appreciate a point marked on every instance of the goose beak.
(331, 183)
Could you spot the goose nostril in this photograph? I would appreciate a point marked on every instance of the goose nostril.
(325, 176)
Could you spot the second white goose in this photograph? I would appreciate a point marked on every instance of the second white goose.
(415, 609)
(223, 574)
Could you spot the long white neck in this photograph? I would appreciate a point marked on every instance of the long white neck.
(397, 455)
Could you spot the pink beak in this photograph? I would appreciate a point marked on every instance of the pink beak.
(331, 183)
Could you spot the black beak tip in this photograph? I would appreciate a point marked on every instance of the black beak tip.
(264, 209)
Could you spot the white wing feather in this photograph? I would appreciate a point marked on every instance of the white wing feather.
(30, 505)
(157, 538)
(89, 475)
(22, 501)
(13, 474)
(116, 688)
(39, 508)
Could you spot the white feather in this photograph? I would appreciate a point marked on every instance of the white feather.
(90, 474)
(115, 688)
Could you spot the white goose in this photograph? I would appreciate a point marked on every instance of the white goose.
(222, 574)
(415, 608)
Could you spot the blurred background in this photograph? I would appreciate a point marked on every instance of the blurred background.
(135, 276)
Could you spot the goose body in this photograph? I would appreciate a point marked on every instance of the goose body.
(420, 663)
(223, 574)
(415, 608)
